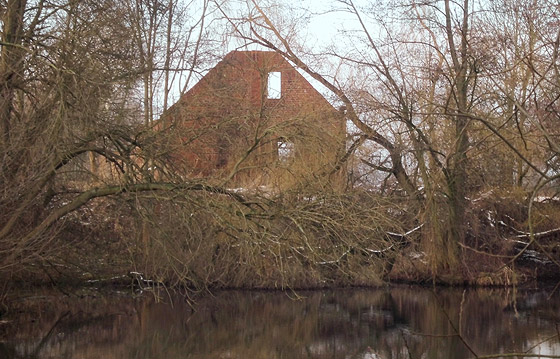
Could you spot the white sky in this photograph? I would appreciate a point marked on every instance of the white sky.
(319, 24)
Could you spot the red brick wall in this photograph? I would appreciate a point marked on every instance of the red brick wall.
(226, 120)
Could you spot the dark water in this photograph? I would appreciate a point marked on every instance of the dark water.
(403, 322)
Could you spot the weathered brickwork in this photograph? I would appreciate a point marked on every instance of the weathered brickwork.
(229, 129)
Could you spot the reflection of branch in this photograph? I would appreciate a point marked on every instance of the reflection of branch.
(49, 334)
(457, 333)
(491, 356)
(544, 341)
(517, 355)
(406, 344)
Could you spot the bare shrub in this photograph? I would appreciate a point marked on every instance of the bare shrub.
(212, 240)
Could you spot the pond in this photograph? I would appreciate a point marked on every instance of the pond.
(399, 322)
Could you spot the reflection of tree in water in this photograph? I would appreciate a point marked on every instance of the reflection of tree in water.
(396, 323)
(489, 321)
(33, 349)
(48, 326)
(400, 323)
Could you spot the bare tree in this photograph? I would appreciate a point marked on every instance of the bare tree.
(67, 67)
(434, 93)
(422, 100)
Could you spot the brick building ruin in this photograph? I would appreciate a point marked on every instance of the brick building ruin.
(255, 121)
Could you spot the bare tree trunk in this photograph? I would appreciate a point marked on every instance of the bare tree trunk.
(11, 65)
(457, 179)
(166, 89)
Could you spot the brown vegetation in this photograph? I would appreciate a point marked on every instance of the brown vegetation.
(452, 152)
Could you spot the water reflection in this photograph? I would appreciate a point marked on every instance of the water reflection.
(403, 322)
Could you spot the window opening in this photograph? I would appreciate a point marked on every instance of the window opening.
(274, 85)
(286, 149)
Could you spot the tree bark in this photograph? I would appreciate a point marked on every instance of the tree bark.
(11, 65)
(457, 179)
